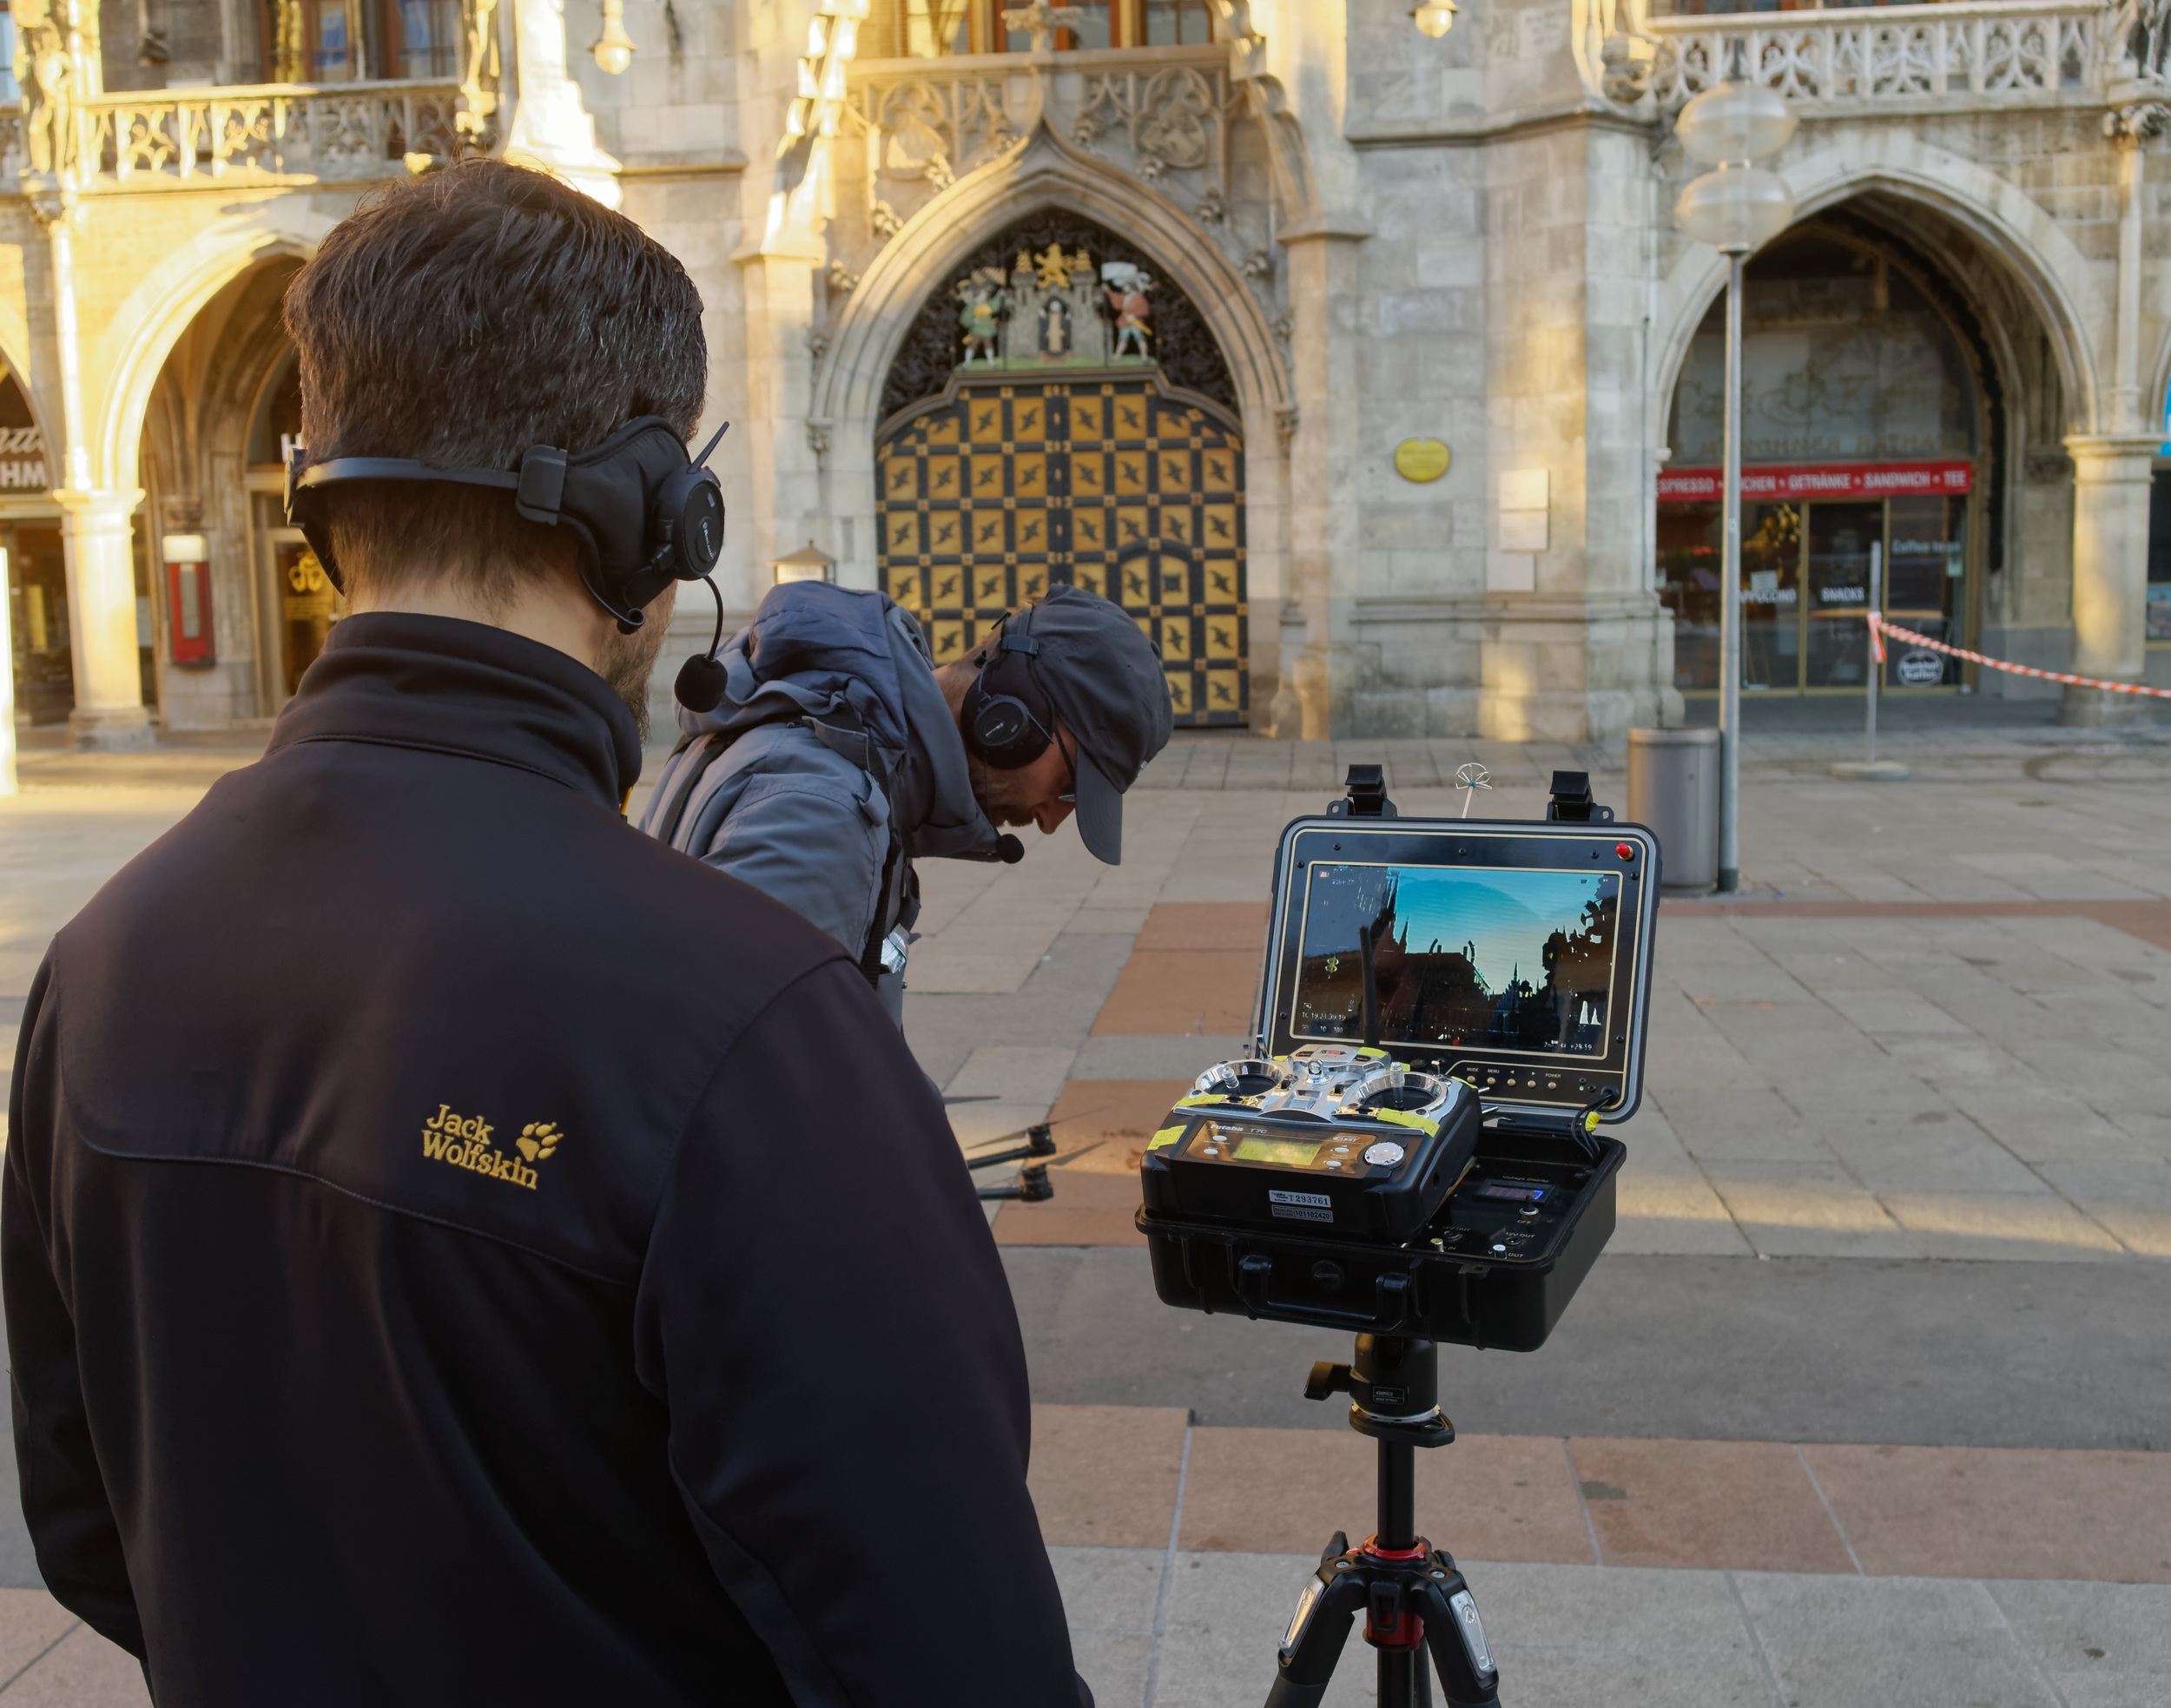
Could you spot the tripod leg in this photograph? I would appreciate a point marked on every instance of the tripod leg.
(1314, 1637)
(1456, 1638)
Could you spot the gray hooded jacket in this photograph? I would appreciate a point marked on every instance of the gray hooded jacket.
(831, 764)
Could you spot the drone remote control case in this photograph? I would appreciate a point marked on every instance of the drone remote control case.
(1512, 956)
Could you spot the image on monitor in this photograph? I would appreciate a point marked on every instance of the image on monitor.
(1476, 959)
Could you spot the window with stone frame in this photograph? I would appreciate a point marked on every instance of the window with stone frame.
(936, 28)
(425, 38)
(315, 41)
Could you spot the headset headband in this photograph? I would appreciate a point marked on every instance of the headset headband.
(643, 513)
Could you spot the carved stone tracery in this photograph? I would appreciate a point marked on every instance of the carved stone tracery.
(933, 349)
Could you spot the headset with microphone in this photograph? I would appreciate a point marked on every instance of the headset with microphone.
(1008, 719)
(642, 513)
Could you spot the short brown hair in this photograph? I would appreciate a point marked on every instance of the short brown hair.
(460, 317)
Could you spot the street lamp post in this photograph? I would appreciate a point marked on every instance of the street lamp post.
(1737, 209)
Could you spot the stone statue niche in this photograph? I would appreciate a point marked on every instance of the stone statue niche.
(1055, 318)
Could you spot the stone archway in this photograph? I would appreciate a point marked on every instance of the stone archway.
(2008, 296)
(1044, 173)
(1056, 452)
(209, 471)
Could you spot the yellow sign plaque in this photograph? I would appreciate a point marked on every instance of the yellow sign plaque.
(1421, 459)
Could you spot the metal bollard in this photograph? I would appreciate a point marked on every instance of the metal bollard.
(1674, 788)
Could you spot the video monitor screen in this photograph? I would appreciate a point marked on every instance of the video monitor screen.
(1492, 958)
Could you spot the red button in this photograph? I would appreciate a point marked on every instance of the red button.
(1626, 850)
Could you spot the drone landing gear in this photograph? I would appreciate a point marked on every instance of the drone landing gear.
(1413, 1598)
(1033, 1185)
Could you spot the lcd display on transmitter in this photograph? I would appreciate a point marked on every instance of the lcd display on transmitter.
(1515, 958)
(1292, 1153)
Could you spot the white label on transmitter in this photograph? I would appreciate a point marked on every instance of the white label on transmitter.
(1317, 1200)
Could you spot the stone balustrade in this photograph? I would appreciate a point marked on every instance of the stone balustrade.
(325, 132)
(1960, 54)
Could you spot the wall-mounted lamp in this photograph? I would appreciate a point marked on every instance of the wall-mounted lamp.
(1436, 17)
(807, 565)
(613, 48)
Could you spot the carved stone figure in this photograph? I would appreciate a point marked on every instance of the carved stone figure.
(1053, 270)
(981, 317)
(1127, 288)
(1056, 342)
(47, 76)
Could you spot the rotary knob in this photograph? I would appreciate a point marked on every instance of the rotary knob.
(1385, 1154)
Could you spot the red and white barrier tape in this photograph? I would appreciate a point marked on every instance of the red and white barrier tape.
(1879, 629)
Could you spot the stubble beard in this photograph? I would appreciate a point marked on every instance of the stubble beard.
(628, 661)
(997, 792)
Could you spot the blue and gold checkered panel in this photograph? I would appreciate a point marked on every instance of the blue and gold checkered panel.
(989, 498)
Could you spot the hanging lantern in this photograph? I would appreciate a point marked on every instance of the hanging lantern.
(613, 48)
(1436, 17)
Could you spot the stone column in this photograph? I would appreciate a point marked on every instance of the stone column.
(1324, 536)
(96, 533)
(783, 462)
(2110, 571)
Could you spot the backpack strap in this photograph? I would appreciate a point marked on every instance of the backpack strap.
(663, 819)
(845, 734)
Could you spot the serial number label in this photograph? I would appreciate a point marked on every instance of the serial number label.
(1316, 1200)
(1302, 1213)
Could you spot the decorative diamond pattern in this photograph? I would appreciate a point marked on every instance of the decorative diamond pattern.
(1003, 486)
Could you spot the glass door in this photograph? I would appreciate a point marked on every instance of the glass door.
(1925, 576)
(1836, 649)
(1771, 595)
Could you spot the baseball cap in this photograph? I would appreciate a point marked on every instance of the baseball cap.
(1104, 680)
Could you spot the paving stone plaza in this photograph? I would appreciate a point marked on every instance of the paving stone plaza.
(1867, 1400)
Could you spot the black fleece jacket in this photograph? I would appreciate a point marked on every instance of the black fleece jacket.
(459, 1251)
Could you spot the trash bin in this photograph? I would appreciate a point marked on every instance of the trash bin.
(1673, 790)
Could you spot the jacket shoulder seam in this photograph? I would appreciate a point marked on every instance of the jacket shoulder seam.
(444, 1222)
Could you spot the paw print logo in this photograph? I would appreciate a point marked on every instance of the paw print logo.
(538, 1140)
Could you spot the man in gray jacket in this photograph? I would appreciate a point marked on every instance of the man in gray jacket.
(839, 754)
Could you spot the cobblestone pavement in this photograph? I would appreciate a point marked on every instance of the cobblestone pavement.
(1867, 1402)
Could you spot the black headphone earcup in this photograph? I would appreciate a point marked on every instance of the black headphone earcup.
(700, 683)
(686, 520)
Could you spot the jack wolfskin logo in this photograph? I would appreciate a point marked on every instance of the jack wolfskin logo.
(464, 1141)
(538, 1140)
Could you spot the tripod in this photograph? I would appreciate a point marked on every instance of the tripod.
(1413, 1597)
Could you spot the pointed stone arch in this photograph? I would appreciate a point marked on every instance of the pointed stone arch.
(2011, 228)
(152, 318)
(1044, 171)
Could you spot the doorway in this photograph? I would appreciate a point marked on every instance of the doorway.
(997, 488)
(44, 659)
(1805, 575)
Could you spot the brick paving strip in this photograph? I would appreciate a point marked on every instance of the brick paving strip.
(1193, 971)
(1109, 1476)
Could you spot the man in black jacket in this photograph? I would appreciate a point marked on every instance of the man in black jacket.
(456, 1248)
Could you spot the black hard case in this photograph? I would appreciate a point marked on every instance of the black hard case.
(1390, 1290)
(1506, 1303)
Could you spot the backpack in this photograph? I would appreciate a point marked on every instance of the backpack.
(844, 733)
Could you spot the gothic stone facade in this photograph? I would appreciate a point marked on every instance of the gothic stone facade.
(1383, 238)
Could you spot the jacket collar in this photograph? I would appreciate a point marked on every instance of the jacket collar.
(448, 686)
